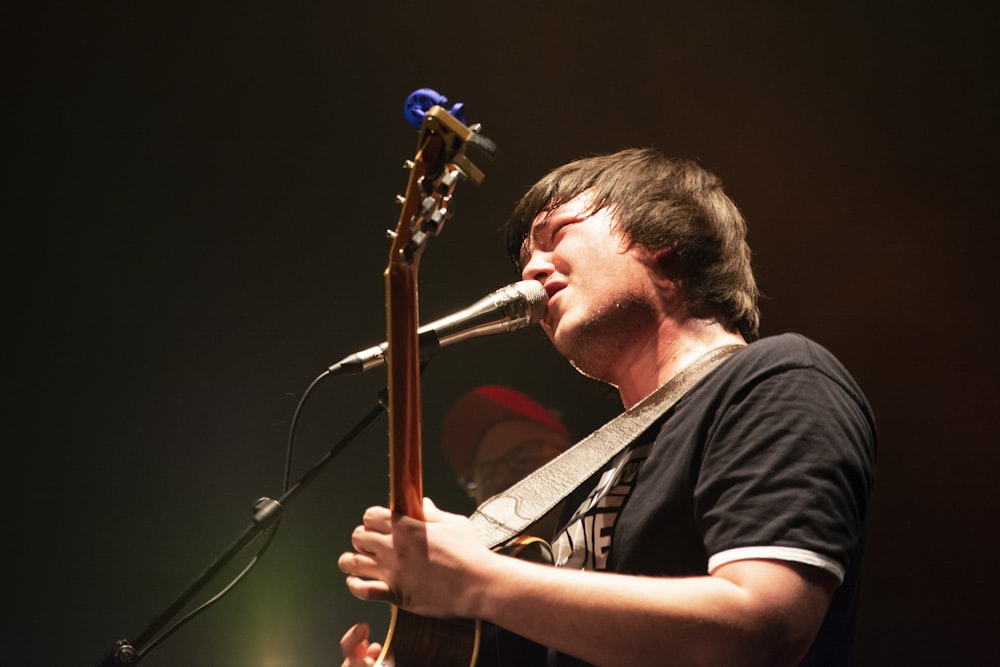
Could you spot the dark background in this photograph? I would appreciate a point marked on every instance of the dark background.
(196, 203)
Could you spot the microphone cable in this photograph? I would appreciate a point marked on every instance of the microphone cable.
(271, 533)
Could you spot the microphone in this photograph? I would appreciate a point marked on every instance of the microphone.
(509, 308)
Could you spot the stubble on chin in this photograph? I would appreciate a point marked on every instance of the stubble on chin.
(597, 344)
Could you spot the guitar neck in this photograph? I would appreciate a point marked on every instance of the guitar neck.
(405, 417)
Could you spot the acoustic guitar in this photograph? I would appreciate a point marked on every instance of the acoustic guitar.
(440, 163)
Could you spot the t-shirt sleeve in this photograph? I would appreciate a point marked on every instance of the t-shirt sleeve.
(786, 472)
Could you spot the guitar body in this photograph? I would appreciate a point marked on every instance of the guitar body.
(419, 641)
(440, 162)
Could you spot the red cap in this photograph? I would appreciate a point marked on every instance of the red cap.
(468, 419)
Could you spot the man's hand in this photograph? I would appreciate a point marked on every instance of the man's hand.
(430, 568)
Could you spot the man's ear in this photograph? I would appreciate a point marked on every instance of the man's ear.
(666, 257)
(661, 253)
(668, 263)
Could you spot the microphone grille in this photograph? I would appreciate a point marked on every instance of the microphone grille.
(536, 299)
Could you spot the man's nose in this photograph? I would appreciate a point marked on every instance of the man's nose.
(538, 267)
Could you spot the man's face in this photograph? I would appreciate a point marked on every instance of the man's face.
(602, 297)
(509, 451)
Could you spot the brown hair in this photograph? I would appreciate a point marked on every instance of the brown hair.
(660, 203)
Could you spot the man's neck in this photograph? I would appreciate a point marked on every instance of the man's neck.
(675, 346)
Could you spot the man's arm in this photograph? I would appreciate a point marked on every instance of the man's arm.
(753, 612)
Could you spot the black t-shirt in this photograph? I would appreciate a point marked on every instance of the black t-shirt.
(770, 456)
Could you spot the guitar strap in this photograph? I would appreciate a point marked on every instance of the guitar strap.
(507, 514)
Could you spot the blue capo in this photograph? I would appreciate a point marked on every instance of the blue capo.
(419, 102)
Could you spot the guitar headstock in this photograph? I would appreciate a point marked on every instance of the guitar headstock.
(441, 161)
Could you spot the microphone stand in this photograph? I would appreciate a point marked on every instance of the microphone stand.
(267, 513)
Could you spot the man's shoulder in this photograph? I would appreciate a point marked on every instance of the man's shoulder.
(782, 351)
(780, 355)
(787, 351)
